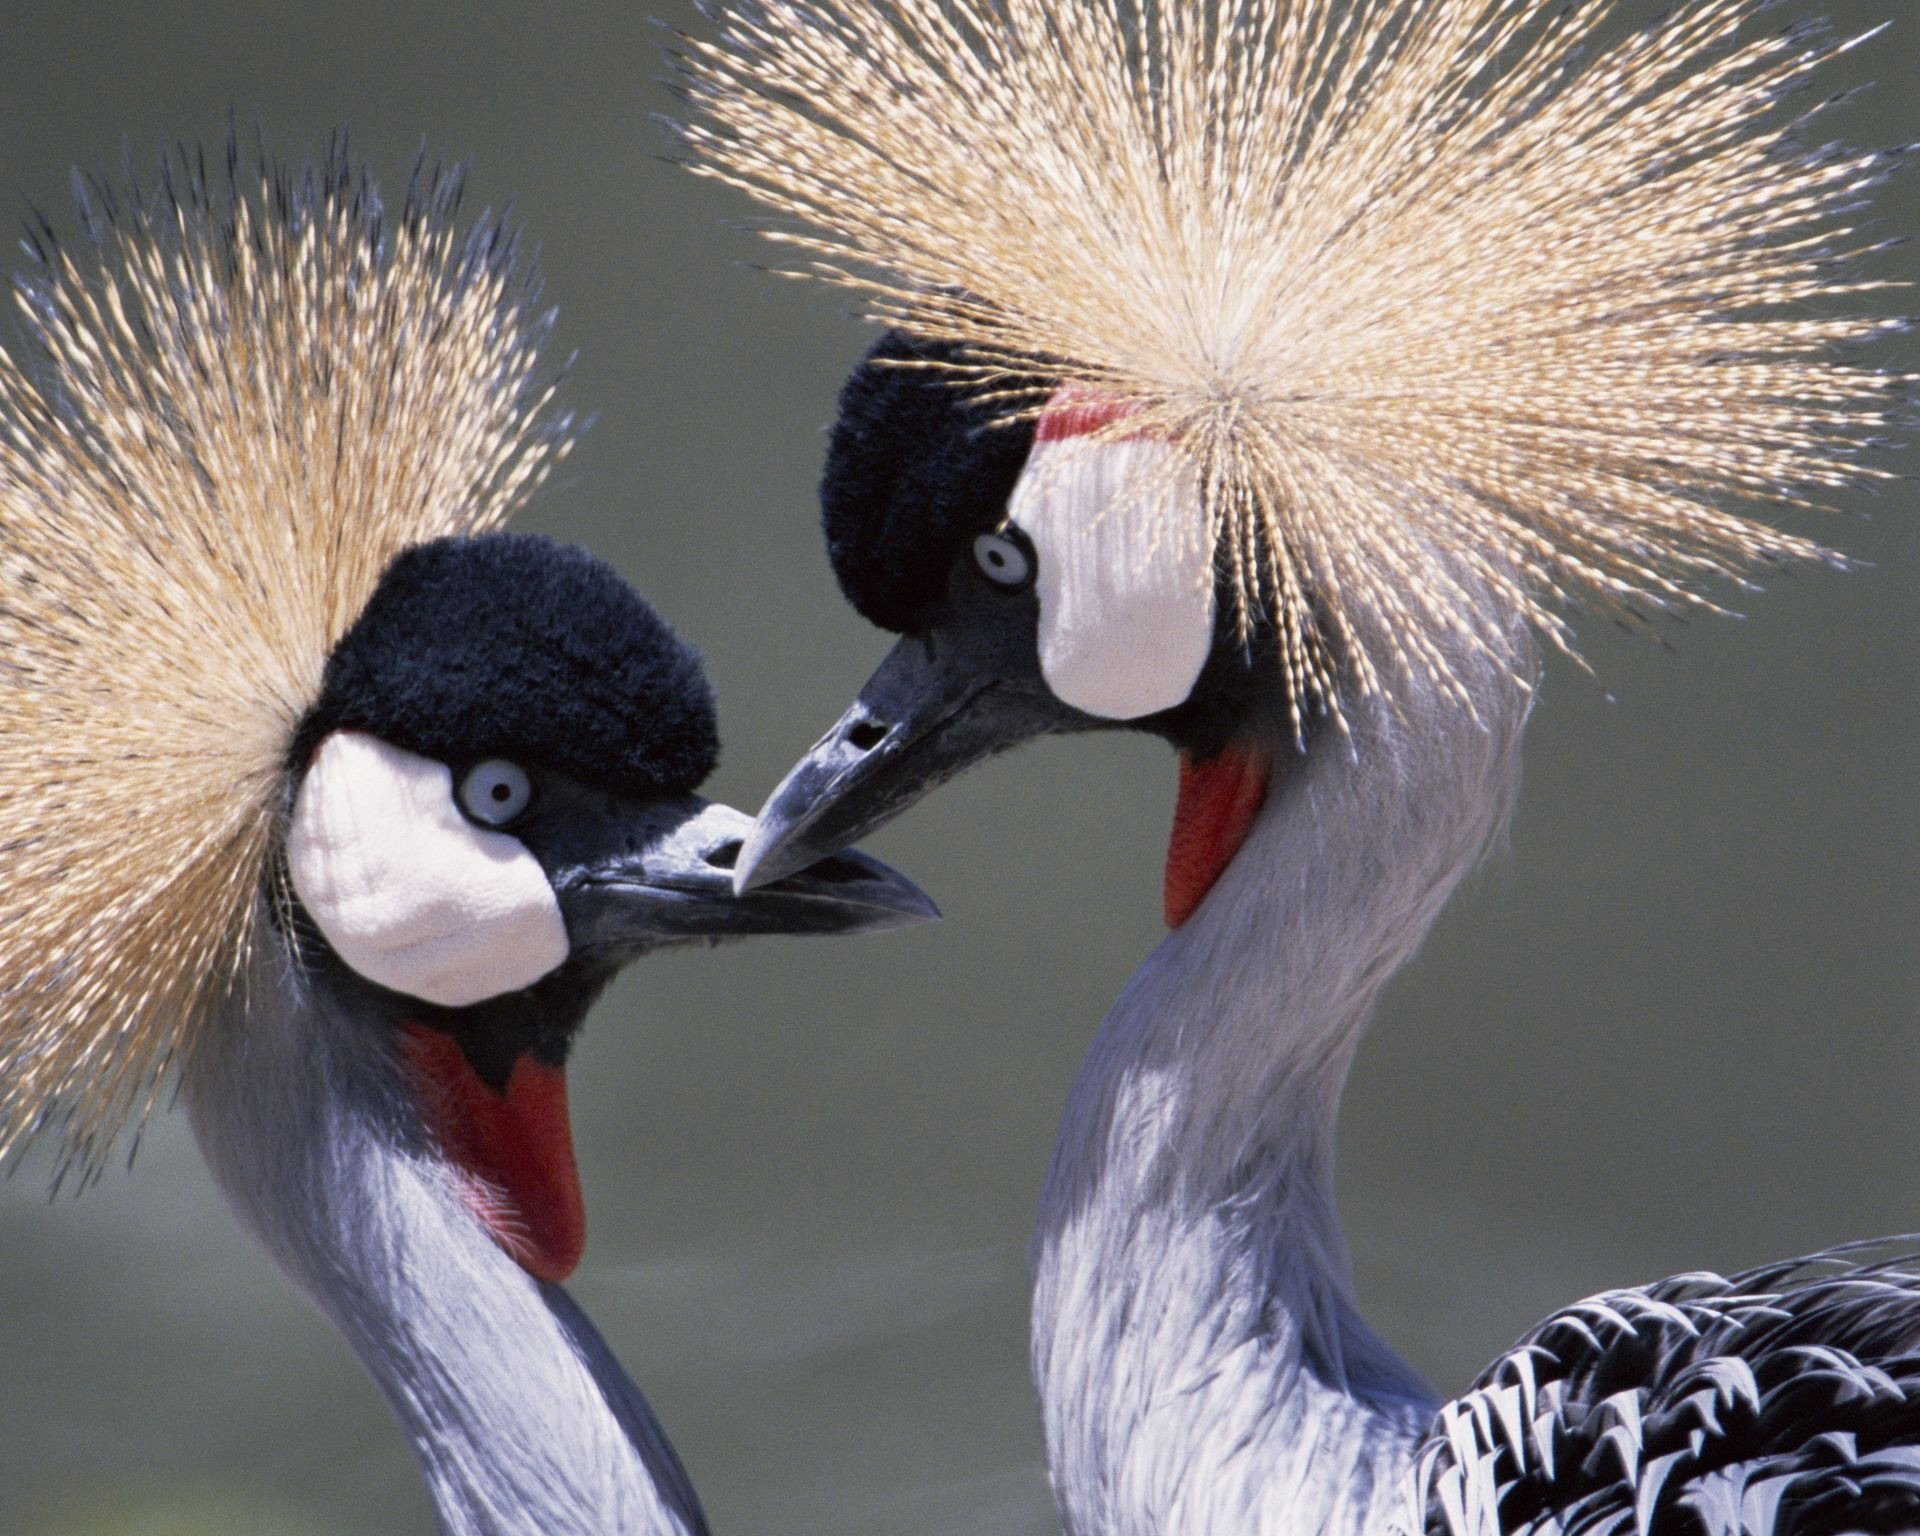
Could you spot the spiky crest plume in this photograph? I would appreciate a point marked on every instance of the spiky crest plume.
(252, 391)
(1444, 299)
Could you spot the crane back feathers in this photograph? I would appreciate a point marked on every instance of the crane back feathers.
(253, 390)
(1784, 1398)
(1440, 298)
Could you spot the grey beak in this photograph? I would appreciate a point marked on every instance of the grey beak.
(676, 883)
(925, 715)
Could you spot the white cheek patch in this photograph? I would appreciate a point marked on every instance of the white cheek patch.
(1125, 576)
(410, 893)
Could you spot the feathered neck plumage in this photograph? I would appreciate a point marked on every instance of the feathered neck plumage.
(1201, 1363)
(521, 1420)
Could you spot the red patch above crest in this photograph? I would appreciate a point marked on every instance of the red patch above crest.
(1077, 413)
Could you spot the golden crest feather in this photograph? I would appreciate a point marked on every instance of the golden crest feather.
(1441, 299)
(254, 390)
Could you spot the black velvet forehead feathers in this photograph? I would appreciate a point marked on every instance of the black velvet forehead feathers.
(914, 473)
(515, 646)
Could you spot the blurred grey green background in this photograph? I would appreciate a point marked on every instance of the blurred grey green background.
(1673, 1027)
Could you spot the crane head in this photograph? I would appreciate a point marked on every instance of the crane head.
(1413, 328)
(1020, 613)
(493, 811)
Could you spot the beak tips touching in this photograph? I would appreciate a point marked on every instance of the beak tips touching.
(697, 870)
(772, 863)
(777, 845)
(748, 870)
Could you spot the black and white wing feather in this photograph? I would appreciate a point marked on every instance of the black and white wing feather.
(1783, 1399)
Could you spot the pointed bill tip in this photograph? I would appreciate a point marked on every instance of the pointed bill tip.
(762, 858)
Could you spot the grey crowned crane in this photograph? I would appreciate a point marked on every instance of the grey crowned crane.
(1262, 374)
(339, 807)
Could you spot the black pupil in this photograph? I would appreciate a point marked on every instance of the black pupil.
(501, 791)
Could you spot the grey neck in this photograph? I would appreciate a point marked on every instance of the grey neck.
(522, 1422)
(1201, 1364)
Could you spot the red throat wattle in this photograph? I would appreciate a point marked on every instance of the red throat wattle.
(514, 1149)
(1219, 799)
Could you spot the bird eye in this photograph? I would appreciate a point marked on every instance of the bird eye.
(493, 793)
(1002, 561)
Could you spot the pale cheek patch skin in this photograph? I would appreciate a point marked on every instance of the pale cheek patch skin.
(1125, 574)
(409, 892)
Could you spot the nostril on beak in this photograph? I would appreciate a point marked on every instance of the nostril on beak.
(865, 735)
(725, 856)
